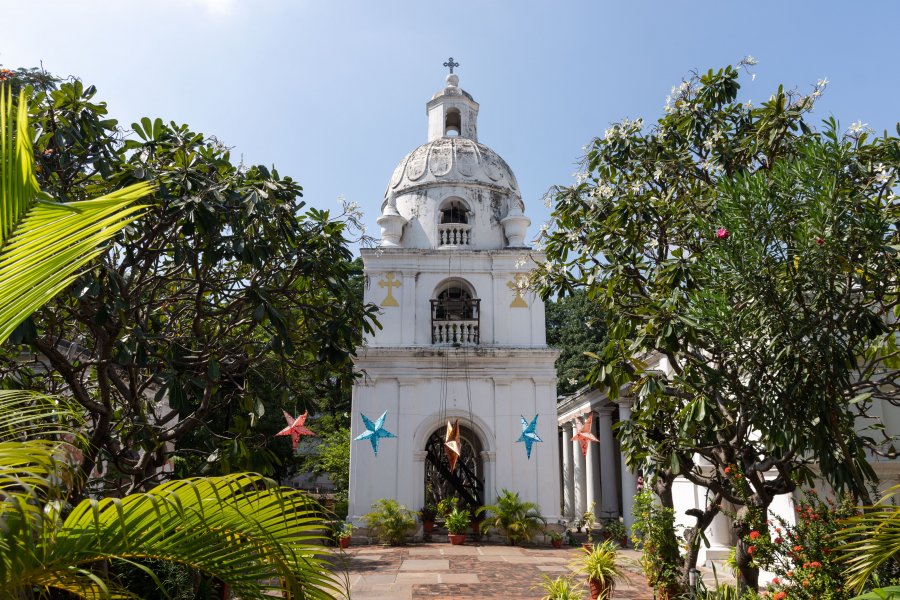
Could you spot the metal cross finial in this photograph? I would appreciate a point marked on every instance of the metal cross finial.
(451, 64)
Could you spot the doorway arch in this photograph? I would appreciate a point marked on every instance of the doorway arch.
(466, 481)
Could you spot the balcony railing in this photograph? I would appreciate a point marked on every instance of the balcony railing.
(455, 321)
(454, 234)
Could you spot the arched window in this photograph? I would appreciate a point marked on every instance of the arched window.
(455, 314)
(454, 212)
(454, 229)
(452, 123)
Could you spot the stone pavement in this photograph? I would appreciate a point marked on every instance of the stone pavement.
(474, 571)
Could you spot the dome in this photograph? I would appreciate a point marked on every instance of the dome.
(451, 160)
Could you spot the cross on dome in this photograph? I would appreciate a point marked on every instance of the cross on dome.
(451, 64)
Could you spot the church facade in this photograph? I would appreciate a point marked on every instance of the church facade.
(461, 339)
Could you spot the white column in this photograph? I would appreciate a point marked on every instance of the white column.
(580, 480)
(609, 494)
(629, 479)
(568, 472)
(488, 460)
(592, 476)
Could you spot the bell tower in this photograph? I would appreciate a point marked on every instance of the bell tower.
(462, 337)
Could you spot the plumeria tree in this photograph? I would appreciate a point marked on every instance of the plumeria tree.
(749, 265)
(226, 297)
(50, 546)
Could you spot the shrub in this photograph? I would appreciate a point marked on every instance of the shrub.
(801, 555)
(390, 521)
(518, 520)
(654, 532)
(561, 588)
(457, 522)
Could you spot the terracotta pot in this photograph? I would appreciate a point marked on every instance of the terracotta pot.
(598, 590)
(457, 539)
(556, 543)
(345, 542)
(587, 545)
(427, 526)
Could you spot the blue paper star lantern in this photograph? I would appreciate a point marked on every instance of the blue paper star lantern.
(374, 431)
(528, 434)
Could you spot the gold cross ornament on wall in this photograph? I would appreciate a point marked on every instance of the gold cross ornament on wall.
(517, 286)
(390, 283)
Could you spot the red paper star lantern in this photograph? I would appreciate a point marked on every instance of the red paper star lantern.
(452, 445)
(296, 427)
(584, 435)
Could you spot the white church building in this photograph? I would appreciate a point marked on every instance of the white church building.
(459, 338)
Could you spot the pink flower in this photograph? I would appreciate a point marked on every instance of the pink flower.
(722, 233)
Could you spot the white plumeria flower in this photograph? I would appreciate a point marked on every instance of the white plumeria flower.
(822, 82)
(521, 262)
(749, 61)
(657, 174)
(882, 174)
(858, 126)
(573, 381)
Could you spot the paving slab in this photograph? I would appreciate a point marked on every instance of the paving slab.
(417, 578)
(425, 565)
(474, 571)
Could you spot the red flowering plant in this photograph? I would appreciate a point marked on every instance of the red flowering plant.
(801, 555)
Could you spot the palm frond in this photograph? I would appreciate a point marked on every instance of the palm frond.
(242, 529)
(43, 245)
(869, 540)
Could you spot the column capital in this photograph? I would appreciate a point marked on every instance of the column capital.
(606, 410)
(625, 401)
(419, 455)
(488, 455)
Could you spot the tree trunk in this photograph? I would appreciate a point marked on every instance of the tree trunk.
(748, 575)
(693, 537)
(663, 489)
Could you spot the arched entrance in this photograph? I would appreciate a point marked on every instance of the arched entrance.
(466, 482)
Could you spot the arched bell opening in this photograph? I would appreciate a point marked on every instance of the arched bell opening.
(455, 314)
(452, 123)
(466, 481)
(454, 228)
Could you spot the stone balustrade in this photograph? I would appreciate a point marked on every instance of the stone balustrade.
(454, 234)
(454, 332)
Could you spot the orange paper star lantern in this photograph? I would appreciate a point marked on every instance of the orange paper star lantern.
(296, 427)
(584, 435)
(452, 445)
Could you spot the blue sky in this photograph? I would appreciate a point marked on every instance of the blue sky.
(333, 92)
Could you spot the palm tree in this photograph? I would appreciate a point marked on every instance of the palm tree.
(241, 529)
(518, 520)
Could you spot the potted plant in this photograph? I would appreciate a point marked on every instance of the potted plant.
(600, 566)
(588, 520)
(556, 539)
(445, 506)
(390, 521)
(518, 520)
(344, 535)
(428, 514)
(457, 522)
(561, 588)
(615, 530)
